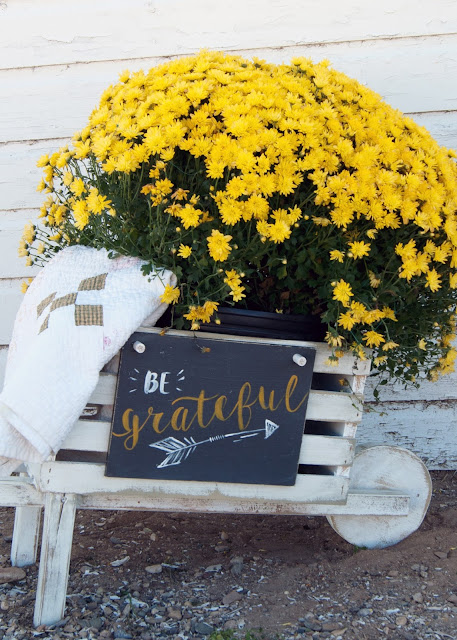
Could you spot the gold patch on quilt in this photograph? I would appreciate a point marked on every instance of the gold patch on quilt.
(88, 314)
(44, 303)
(45, 324)
(64, 301)
(96, 283)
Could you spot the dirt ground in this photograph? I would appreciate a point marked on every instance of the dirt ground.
(158, 575)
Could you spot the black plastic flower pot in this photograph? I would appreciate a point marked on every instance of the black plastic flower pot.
(263, 324)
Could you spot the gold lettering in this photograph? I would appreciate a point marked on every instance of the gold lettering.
(218, 408)
(175, 417)
(132, 430)
(289, 392)
(183, 418)
(242, 404)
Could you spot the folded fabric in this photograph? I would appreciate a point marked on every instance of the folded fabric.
(75, 316)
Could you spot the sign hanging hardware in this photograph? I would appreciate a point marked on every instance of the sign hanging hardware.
(139, 347)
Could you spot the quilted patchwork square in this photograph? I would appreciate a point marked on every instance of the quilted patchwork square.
(88, 314)
(44, 303)
(64, 301)
(95, 283)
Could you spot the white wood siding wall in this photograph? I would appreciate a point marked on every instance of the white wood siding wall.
(56, 57)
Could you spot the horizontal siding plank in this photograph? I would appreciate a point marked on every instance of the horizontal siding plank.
(19, 175)
(11, 265)
(426, 428)
(3, 357)
(81, 478)
(60, 32)
(93, 435)
(444, 389)
(11, 298)
(54, 102)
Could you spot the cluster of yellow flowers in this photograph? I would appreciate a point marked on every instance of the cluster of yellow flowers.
(289, 185)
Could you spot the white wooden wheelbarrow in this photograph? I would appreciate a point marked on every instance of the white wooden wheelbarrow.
(372, 499)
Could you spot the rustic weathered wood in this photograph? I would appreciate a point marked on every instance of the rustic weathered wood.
(59, 516)
(358, 503)
(26, 534)
(144, 29)
(84, 479)
(11, 265)
(18, 492)
(11, 297)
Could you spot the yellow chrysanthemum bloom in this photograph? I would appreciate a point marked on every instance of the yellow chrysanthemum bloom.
(359, 249)
(26, 284)
(335, 254)
(184, 251)
(373, 338)
(342, 292)
(219, 245)
(170, 295)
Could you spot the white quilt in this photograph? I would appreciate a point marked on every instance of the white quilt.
(75, 316)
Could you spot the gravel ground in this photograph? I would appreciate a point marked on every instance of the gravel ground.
(190, 576)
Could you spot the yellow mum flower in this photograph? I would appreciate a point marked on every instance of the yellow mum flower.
(374, 281)
(43, 161)
(29, 233)
(67, 178)
(359, 249)
(190, 216)
(337, 255)
(373, 338)
(184, 250)
(279, 231)
(77, 187)
(433, 280)
(80, 214)
(96, 203)
(406, 251)
(342, 292)
(26, 284)
(346, 320)
(180, 194)
(219, 245)
(170, 295)
(388, 346)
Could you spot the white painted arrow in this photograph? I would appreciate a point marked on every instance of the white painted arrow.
(177, 450)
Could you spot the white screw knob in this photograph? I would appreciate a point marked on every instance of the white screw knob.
(300, 360)
(139, 347)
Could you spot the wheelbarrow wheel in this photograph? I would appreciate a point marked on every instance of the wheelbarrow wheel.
(386, 468)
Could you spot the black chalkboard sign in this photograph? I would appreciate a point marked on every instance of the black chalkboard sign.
(197, 408)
